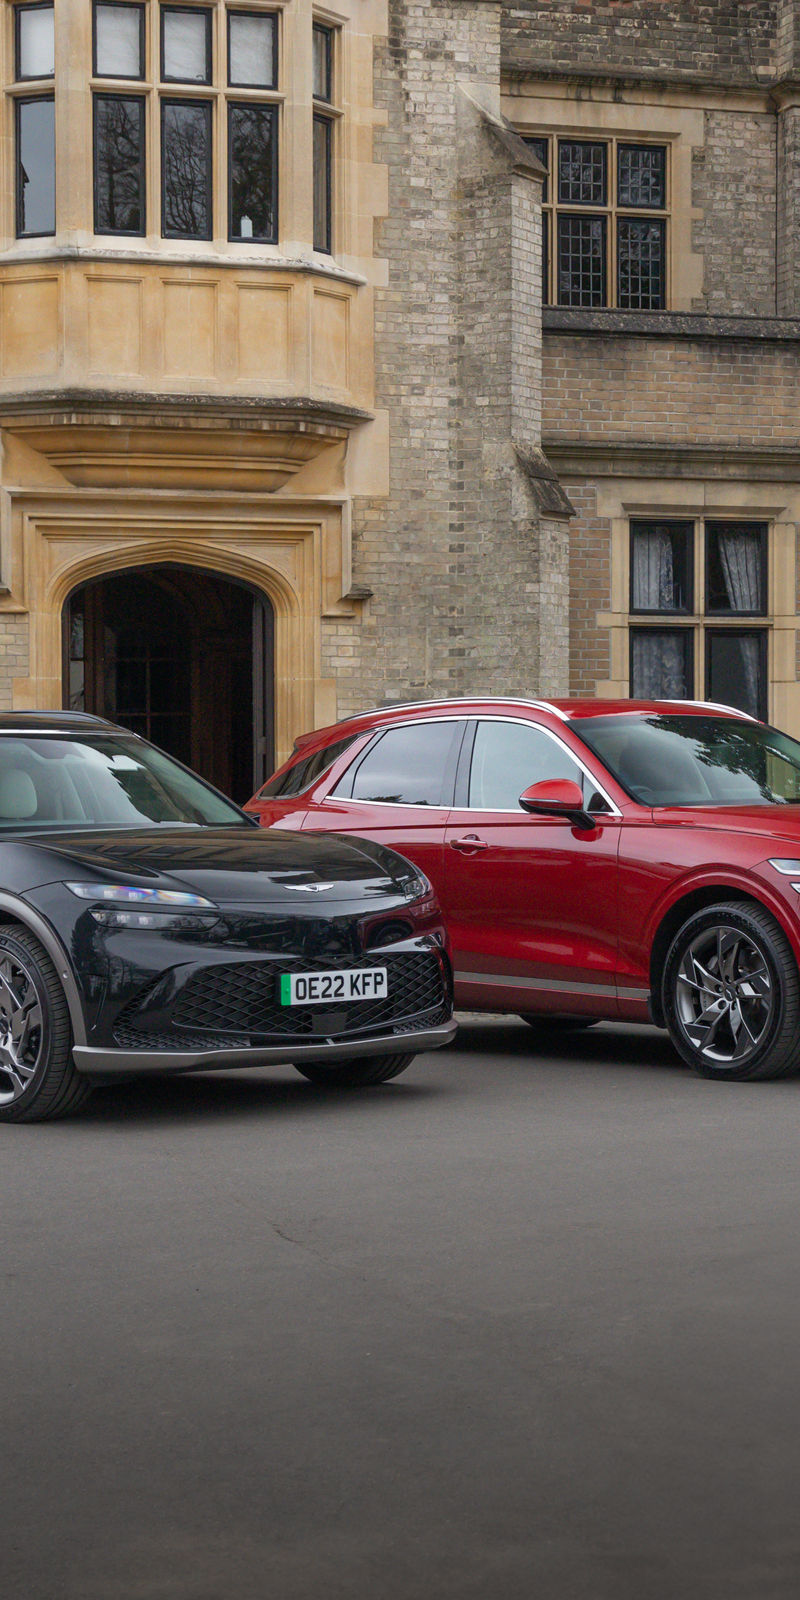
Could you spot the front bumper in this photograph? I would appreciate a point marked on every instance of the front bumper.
(100, 1062)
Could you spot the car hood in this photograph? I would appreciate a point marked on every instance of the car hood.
(772, 822)
(230, 864)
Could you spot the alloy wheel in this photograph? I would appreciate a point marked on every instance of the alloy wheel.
(21, 1028)
(725, 995)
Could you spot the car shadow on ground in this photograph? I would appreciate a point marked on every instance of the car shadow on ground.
(609, 1044)
(230, 1095)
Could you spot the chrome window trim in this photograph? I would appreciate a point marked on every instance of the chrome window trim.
(524, 722)
(516, 811)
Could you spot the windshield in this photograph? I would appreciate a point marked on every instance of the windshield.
(696, 761)
(108, 781)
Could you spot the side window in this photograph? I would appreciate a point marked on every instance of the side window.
(407, 766)
(507, 758)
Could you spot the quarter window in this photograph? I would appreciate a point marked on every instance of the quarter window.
(724, 562)
(605, 218)
(408, 766)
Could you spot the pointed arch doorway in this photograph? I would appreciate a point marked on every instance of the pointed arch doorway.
(183, 656)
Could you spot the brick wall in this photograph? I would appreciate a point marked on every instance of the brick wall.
(666, 390)
(733, 183)
(733, 39)
(463, 586)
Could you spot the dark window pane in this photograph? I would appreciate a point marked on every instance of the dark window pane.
(661, 664)
(406, 767)
(641, 275)
(36, 167)
(736, 567)
(186, 169)
(252, 49)
(323, 136)
(323, 62)
(35, 43)
(582, 169)
(185, 45)
(119, 41)
(507, 758)
(118, 164)
(545, 258)
(304, 772)
(642, 176)
(582, 261)
(736, 669)
(541, 149)
(253, 166)
(661, 566)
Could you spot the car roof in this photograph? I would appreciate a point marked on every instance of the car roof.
(54, 722)
(477, 705)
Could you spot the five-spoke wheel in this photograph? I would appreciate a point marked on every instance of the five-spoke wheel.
(731, 994)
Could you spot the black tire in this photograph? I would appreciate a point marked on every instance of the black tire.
(356, 1072)
(731, 995)
(38, 1081)
(544, 1024)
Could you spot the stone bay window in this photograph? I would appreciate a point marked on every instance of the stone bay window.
(187, 237)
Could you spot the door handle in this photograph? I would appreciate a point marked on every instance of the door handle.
(468, 843)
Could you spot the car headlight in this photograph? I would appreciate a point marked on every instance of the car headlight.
(417, 887)
(126, 905)
(790, 869)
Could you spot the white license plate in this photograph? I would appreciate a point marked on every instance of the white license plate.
(328, 988)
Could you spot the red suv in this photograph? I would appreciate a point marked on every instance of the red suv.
(594, 859)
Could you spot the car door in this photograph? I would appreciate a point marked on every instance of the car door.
(399, 791)
(531, 902)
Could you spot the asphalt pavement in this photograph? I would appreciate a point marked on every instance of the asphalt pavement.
(521, 1325)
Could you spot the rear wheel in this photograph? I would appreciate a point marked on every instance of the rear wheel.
(357, 1072)
(544, 1024)
(731, 995)
(38, 1081)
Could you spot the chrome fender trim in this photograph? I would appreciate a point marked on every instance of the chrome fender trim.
(36, 924)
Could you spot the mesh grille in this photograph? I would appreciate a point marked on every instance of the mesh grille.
(243, 999)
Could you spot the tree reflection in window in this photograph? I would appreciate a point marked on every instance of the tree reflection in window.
(119, 164)
(186, 169)
(253, 148)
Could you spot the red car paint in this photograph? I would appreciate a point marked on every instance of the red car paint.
(545, 916)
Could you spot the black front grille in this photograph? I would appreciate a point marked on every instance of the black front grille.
(242, 999)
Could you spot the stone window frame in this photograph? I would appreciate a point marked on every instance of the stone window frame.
(218, 95)
(545, 145)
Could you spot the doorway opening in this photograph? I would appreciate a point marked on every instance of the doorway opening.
(185, 658)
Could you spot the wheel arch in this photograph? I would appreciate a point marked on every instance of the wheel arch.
(685, 907)
(13, 910)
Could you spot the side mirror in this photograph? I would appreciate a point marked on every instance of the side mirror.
(557, 797)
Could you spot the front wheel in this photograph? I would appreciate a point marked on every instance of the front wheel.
(731, 994)
(37, 1078)
(356, 1072)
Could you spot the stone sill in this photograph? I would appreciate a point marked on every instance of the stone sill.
(670, 325)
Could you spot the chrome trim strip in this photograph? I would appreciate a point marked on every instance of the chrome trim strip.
(36, 924)
(787, 866)
(553, 986)
(545, 985)
(91, 1060)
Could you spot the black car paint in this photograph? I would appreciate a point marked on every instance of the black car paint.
(369, 908)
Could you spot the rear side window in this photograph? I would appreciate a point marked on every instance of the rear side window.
(409, 766)
(304, 772)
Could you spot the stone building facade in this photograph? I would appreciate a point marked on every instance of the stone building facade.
(396, 348)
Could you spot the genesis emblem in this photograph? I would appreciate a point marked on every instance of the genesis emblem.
(309, 888)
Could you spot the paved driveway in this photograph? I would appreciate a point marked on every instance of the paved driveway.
(518, 1326)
